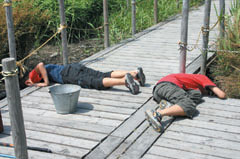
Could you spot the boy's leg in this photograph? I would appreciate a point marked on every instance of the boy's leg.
(121, 74)
(109, 82)
(137, 75)
(127, 81)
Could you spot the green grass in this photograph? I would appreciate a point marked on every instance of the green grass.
(226, 68)
(83, 17)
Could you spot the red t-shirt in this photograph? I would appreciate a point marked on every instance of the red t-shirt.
(34, 76)
(188, 81)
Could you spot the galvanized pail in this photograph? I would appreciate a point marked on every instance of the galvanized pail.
(65, 97)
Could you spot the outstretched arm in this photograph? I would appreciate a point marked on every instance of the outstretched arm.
(40, 69)
(218, 92)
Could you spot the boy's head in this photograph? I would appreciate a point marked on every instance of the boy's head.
(34, 77)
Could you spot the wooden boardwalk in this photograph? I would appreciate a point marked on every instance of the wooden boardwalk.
(111, 124)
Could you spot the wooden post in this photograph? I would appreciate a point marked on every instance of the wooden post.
(63, 31)
(205, 33)
(10, 28)
(15, 108)
(128, 3)
(133, 17)
(184, 34)
(222, 19)
(178, 5)
(156, 11)
(106, 25)
(1, 123)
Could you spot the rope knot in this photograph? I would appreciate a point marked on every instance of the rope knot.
(6, 4)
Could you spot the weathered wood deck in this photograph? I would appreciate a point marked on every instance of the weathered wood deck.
(111, 124)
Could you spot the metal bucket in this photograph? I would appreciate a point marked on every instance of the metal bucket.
(65, 97)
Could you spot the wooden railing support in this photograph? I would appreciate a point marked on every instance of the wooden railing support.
(156, 11)
(184, 34)
(10, 28)
(63, 31)
(128, 3)
(222, 19)
(106, 25)
(133, 17)
(15, 108)
(205, 33)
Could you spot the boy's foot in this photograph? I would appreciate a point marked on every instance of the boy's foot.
(154, 119)
(140, 76)
(129, 82)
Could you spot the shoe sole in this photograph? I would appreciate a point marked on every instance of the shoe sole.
(131, 84)
(141, 77)
(152, 121)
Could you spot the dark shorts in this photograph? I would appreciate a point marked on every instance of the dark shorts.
(84, 76)
(187, 100)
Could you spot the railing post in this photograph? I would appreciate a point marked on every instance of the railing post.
(10, 28)
(63, 31)
(222, 19)
(178, 5)
(156, 11)
(106, 25)
(205, 32)
(128, 3)
(1, 123)
(184, 36)
(15, 108)
(133, 17)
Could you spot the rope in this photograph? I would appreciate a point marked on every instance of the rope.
(229, 51)
(5, 4)
(182, 45)
(19, 63)
(8, 74)
(98, 28)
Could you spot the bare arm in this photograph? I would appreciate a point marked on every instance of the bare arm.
(40, 69)
(218, 92)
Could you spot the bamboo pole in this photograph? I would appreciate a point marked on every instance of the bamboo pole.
(222, 19)
(133, 17)
(156, 11)
(184, 34)
(15, 108)
(106, 25)
(63, 31)
(205, 33)
(10, 28)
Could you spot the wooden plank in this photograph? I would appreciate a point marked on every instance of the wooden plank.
(145, 141)
(222, 107)
(203, 140)
(210, 125)
(176, 154)
(128, 142)
(198, 148)
(204, 131)
(57, 149)
(65, 123)
(86, 112)
(72, 117)
(215, 119)
(228, 101)
(124, 130)
(92, 136)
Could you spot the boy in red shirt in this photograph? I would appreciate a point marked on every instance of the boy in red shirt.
(184, 91)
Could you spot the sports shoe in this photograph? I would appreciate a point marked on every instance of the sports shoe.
(154, 118)
(129, 82)
(140, 76)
